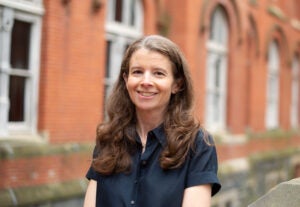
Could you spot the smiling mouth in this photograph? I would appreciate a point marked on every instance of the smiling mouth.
(146, 94)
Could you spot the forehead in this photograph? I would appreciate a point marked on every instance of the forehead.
(143, 55)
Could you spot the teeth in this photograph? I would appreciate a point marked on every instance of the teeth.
(146, 93)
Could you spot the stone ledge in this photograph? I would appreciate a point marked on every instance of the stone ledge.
(277, 12)
(28, 196)
(272, 134)
(244, 164)
(273, 154)
(284, 194)
(9, 150)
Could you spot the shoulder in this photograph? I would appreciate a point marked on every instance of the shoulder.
(203, 136)
(204, 150)
(203, 141)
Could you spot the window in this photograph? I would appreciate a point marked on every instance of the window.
(126, 15)
(216, 70)
(252, 44)
(272, 104)
(123, 25)
(19, 61)
(19, 66)
(295, 93)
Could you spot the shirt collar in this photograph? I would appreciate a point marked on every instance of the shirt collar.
(159, 133)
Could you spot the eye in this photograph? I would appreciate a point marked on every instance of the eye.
(136, 71)
(159, 73)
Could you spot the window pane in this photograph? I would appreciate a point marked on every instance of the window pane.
(16, 98)
(272, 118)
(118, 10)
(108, 56)
(217, 75)
(216, 107)
(219, 27)
(20, 41)
(132, 12)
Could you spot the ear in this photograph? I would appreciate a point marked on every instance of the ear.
(125, 77)
(177, 86)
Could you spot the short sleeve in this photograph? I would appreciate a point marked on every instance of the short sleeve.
(203, 165)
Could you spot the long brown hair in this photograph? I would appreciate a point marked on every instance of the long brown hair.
(116, 142)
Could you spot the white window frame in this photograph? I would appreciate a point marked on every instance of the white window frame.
(272, 98)
(124, 28)
(216, 84)
(121, 34)
(26, 11)
(29, 6)
(294, 113)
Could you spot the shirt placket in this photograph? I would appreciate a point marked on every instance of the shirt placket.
(142, 167)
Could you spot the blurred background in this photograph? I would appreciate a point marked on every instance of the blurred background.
(60, 58)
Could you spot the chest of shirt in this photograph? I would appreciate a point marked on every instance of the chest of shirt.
(146, 185)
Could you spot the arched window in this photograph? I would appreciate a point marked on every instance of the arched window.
(123, 25)
(252, 42)
(272, 104)
(295, 92)
(216, 70)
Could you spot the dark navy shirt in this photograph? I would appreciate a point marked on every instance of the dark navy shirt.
(148, 185)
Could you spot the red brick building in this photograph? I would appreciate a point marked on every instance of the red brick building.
(59, 59)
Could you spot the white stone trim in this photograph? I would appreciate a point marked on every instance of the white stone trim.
(31, 6)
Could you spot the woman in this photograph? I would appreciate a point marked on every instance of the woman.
(151, 152)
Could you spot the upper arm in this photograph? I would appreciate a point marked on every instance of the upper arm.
(203, 166)
(90, 195)
(197, 196)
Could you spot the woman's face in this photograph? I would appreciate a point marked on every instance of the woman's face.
(150, 81)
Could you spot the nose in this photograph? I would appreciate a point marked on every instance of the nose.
(147, 79)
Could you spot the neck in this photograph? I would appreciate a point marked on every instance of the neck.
(146, 122)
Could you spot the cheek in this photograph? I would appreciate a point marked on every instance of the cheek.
(129, 84)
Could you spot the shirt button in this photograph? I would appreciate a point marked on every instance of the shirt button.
(144, 162)
(132, 202)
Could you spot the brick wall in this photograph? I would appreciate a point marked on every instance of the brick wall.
(42, 170)
(190, 28)
(40, 164)
(72, 70)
